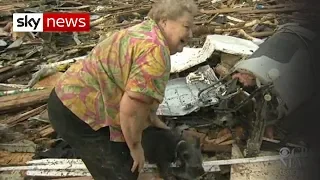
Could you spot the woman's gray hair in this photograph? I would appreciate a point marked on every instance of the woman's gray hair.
(171, 9)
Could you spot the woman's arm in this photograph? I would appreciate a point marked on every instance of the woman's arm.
(155, 120)
(134, 113)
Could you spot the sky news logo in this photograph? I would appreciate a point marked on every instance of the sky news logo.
(51, 22)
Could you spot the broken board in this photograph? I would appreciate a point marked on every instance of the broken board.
(22, 100)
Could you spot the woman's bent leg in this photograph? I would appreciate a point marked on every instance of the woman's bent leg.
(104, 159)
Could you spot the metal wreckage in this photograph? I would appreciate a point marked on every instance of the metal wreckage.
(283, 71)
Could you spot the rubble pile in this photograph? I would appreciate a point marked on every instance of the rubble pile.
(225, 32)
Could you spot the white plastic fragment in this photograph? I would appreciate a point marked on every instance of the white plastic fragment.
(186, 59)
(190, 57)
(258, 41)
(232, 45)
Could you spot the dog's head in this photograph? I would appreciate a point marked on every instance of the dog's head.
(189, 160)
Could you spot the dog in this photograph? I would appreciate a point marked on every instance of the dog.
(163, 147)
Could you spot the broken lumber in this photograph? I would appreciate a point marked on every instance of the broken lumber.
(201, 30)
(8, 158)
(246, 9)
(19, 71)
(100, 20)
(24, 116)
(18, 101)
(287, 9)
(46, 131)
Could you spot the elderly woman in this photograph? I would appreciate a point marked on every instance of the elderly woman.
(102, 104)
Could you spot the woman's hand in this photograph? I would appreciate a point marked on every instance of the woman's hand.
(154, 119)
(137, 155)
(156, 122)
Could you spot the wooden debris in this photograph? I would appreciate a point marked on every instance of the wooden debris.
(192, 133)
(18, 101)
(286, 9)
(19, 71)
(45, 131)
(22, 117)
(21, 146)
(287, 144)
(99, 21)
(7, 158)
(4, 69)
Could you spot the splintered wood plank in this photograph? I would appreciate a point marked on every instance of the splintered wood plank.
(46, 131)
(7, 158)
(17, 101)
(24, 116)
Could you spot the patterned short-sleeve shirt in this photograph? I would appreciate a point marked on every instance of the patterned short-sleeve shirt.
(135, 59)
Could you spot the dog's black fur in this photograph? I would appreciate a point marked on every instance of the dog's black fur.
(163, 147)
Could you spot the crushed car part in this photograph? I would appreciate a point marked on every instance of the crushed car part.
(285, 60)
